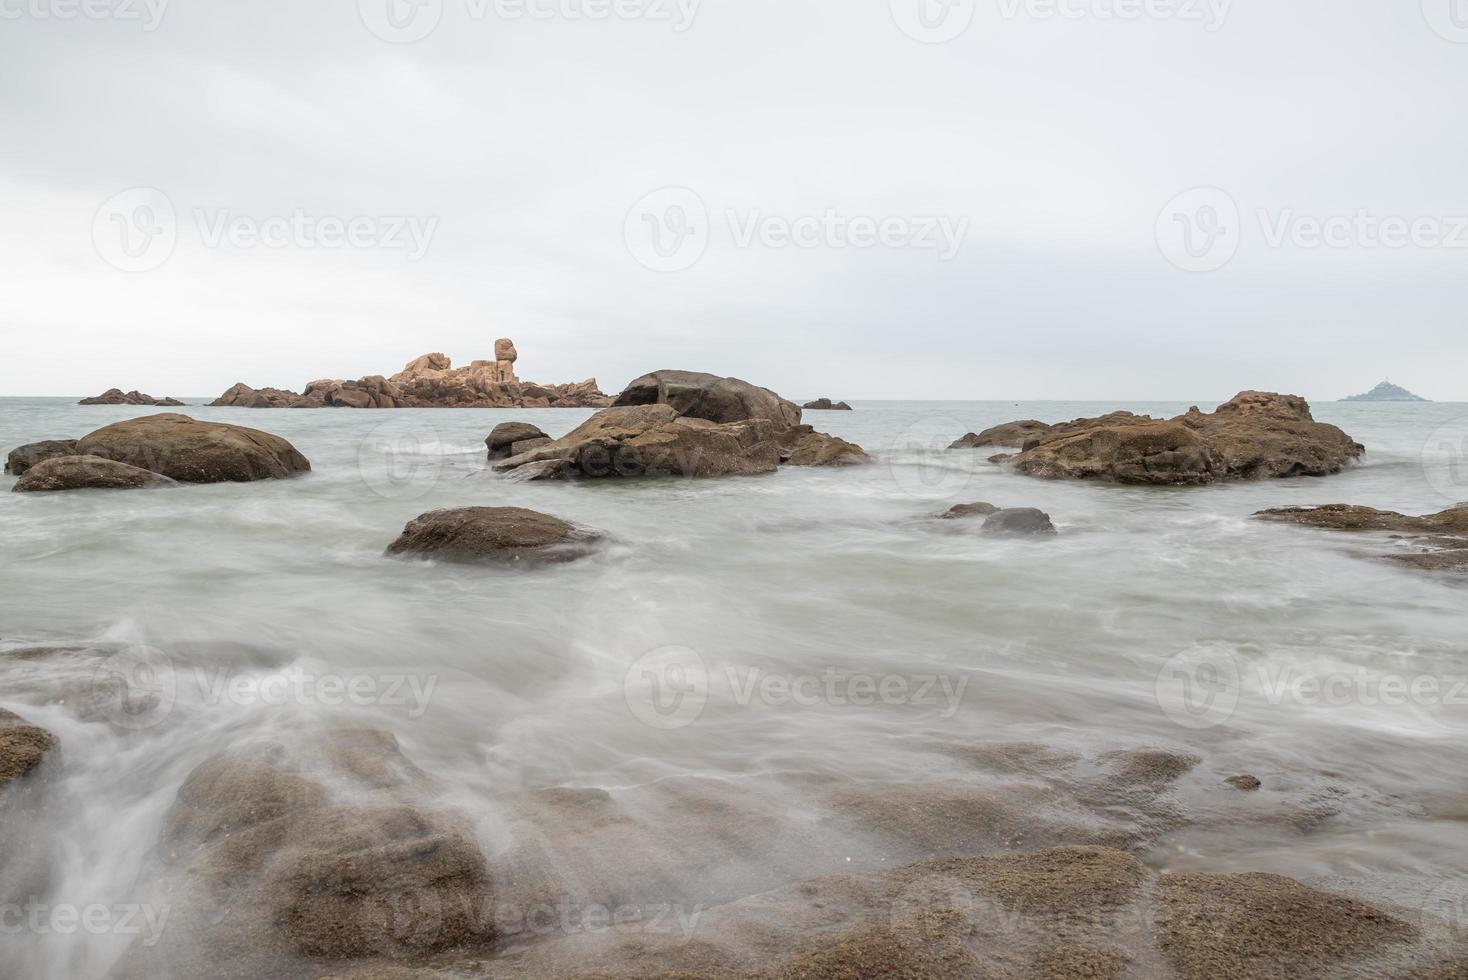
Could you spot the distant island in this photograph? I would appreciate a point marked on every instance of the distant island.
(1386, 392)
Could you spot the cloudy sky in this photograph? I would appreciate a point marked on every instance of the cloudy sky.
(987, 199)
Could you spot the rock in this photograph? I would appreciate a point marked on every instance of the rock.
(1018, 521)
(1256, 435)
(195, 452)
(1244, 782)
(803, 446)
(114, 396)
(960, 511)
(528, 445)
(1386, 392)
(502, 440)
(1442, 538)
(243, 396)
(23, 747)
(826, 405)
(706, 396)
(1010, 434)
(486, 534)
(88, 473)
(29, 455)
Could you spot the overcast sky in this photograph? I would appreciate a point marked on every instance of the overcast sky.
(824, 197)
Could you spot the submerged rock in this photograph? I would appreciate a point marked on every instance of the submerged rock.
(24, 457)
(1018, 521)
(1255, 435)
(23, 747)
(1009, 435)
(961, 511)
(1442, 538)
(502, 440)
(826, 405)
(190, 451)
(491, 534)
(88, 473)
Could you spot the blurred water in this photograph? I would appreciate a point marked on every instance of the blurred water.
(513, 679)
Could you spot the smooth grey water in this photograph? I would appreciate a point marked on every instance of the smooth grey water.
(729, 633)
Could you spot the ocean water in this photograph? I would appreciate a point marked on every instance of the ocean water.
(765, 639)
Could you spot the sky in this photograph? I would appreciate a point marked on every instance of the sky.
(860, 199)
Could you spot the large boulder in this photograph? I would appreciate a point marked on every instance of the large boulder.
(708, 396)
(803, 446)
(23, 747)
(88, 473)
(1018, 521)
(503, 438)
(493, 534)
(1255, 435)
(195, 452)
(1008, 435)
(24, 457)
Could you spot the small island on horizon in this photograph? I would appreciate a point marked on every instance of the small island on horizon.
(1386, 392)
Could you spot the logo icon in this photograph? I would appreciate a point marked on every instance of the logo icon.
(667, 688)
(923, 466)
(135, 688)
(400, 21)
(1445, 460)
(933, 21)
(1199, 688)
(401, 459)
(1448, 18)
(135, 230)
(668, 230)
(1199, 230)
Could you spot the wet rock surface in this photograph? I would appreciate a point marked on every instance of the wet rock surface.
(493, 534)
(506, 435)
(88, 473)
(190, 451)
(23, 747)
(962, 511)
(1019, 522)
(1009, 435)
(1439, 541)
(24, 457)
(1255, 435)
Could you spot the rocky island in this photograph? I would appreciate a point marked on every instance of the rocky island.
(430, 381)
(116, 396)
(1386, 392)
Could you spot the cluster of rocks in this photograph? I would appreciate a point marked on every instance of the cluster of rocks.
(430, 381)
(826, 405)
(154, 451)
(1440, 541)
(115, 396)
(1254, 435)
(681, 423)
(1009, 521)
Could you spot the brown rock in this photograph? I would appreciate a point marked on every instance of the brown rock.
(505, 435)
(1442, 538)
(1244, 782)
(24, 457)
(707, 396)
(23, 747)
(803, 446)
(490, 534)
(114, 396)
(195, 452)
(1018, 521)
(1010, 434)
(88, 473)
(959, 511)
(826, 405)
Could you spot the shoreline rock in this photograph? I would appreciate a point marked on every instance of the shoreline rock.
(23, 747)
(502, 442)
(1442, 537)
(88, 473)
(1009, 435)
(115, 396)
(493, 534)
(24, 457)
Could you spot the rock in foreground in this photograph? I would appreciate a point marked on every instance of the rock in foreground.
(88, 473)
(29, 455)
(23, 747)
(190, 451)
(115, 396)
(1256, 435)
(493, 534)
(683, 423)
(1441, 538)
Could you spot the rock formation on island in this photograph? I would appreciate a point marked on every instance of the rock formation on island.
(1439, 541)
(826, 405)
(430, 381)
(115, 396)
(684, 423)
(1386, 392)
(155, 451)
(1255, 435)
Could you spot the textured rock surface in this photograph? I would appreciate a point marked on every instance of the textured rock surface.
(493, 534)
(1255, 435)
(24, 457)
(1009, 435)
(1018, 521)
(502, 440)
(826, 405)
(707, 396)
(23, 747)
(190, 451)
(961, 511)
(114, 396)
(88, 473)
(1439, 541)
